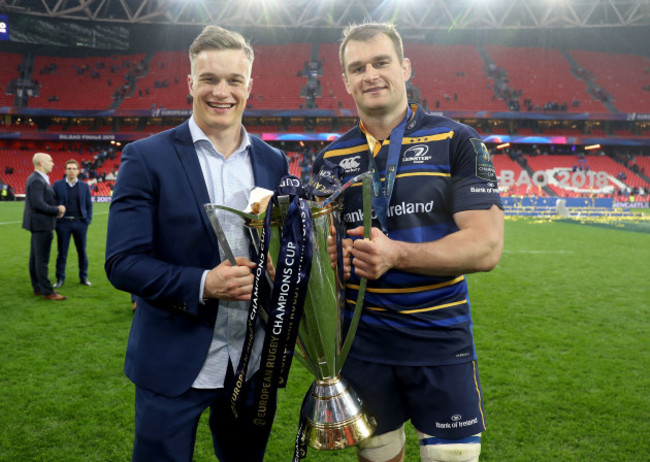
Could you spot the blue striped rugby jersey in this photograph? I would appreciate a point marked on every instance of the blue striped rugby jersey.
(444, 168)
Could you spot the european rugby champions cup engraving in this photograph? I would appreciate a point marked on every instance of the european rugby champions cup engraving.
(332, 413)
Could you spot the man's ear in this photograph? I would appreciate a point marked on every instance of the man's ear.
(190, 83)
(406, 69)
(346, 83)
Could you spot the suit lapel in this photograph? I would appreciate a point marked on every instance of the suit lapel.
(190, 162)
(260, 174)
(255, 162)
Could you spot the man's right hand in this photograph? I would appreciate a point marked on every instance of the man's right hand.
(61, 211)
(227, 282)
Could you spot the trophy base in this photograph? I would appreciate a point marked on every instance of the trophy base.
(335, 418)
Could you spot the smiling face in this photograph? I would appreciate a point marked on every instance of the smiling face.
(374, 76)
(220, 84)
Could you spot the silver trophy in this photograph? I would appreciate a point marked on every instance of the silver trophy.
(334, 414)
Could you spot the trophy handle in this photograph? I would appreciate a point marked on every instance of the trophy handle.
(243, 215)
(221, 235)
(367, 224)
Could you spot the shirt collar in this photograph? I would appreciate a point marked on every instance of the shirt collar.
(199, 135)
(71, 184)
(44, 175)
(373, 143)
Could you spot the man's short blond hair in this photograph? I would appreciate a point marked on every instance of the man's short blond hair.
(218, 38)
(368, 31)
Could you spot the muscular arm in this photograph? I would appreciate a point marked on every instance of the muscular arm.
(476, 246)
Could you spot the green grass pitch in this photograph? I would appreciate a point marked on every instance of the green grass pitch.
(561, 327)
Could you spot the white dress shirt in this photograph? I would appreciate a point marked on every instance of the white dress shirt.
(44, 175)
(229, 182)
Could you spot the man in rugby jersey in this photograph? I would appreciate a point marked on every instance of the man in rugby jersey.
(437, 215)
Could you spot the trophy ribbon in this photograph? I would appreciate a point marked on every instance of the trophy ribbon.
(306, 303)
(284, 303)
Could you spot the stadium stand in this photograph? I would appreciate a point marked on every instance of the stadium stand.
(624, 77)
(259, 129)
(162, 84)
(543, 76)
(294, 165)
(82, 83)
(335, 96)
(643, 163)
(578, 172)
(451, 77)
(445, 78)
(283, 63)
(9, 72)
(504, 162)
(562, 132)
(18, 159)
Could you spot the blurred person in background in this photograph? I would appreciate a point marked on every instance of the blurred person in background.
(75, 196)
(41, 212)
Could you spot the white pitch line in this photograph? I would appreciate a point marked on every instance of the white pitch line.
(539, 251)
(20, 222)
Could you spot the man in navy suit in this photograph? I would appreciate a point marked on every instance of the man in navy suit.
(188, 330)
(75, 196)
(39, 217)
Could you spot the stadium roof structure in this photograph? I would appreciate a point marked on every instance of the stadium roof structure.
(421, 15)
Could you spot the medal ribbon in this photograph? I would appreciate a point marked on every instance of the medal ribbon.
(381, 194)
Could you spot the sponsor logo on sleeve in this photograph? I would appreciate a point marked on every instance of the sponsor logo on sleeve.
(484, 167)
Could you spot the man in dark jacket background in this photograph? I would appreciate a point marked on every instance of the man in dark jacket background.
(39, 218)
(75, 196)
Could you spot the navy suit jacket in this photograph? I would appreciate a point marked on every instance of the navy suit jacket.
(159, 243)
(40, 204)
(85, 200)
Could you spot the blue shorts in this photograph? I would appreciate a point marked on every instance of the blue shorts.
(442, 401)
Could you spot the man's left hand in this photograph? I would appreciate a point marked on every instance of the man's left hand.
(372, 257)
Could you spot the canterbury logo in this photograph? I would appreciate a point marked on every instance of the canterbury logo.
(350, 163)
(417, 151)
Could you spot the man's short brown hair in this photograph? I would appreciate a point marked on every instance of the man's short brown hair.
(218, 38)
(368, 31)
(71, 161)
